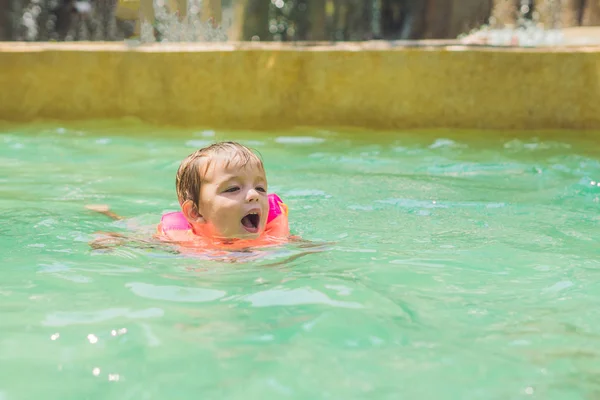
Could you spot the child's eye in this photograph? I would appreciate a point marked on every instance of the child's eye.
(261, 189)
(232, 189)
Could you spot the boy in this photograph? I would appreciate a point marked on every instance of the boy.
(222, 191)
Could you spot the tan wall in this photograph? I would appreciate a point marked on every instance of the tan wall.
(270, 86)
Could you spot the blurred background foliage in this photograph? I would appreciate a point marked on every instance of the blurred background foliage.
(280, 20)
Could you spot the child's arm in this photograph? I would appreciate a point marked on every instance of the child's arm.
(108, 239)
(103, 209)
(305, 243)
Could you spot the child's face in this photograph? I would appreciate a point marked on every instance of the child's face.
(233, 199)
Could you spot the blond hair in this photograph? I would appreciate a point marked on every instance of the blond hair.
(194, 167)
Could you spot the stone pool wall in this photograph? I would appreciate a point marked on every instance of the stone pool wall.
(271, 85)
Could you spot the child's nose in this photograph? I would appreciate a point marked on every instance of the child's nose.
(252, 195)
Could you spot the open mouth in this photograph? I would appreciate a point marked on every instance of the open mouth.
(251, 222)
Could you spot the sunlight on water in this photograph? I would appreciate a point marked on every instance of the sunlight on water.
(444, 265)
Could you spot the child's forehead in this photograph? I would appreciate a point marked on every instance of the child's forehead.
(224, 166)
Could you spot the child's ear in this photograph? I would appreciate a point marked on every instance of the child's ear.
(191, 213)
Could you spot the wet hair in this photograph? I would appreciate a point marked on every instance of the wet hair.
(194, 167)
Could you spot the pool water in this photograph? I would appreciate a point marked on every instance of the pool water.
(445, 265)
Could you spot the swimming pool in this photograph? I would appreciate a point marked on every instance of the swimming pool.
(464, 265)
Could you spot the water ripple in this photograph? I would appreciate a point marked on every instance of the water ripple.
(295, 297)
(62, 318)
(299, 140)
(175, 293)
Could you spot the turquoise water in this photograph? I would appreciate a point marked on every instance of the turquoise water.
(461, 266)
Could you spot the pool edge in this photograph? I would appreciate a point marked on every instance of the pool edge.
(270, 86)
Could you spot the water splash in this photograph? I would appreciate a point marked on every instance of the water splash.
(528, 23)
(82, 20)
(171, 27)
